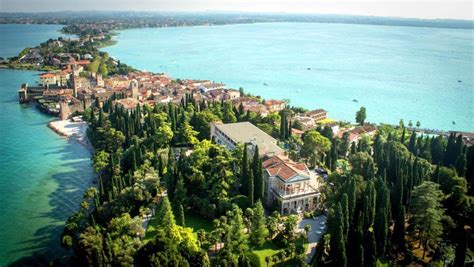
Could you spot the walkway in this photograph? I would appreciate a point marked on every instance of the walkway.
(318, 228)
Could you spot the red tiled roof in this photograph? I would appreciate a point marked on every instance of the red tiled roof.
(283, 167)
(273, 102)
(296, 131)
(48, 75)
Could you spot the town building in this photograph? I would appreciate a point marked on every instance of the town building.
(127, 103)
(273, 105)
(223, 94)
(308, 123)
(356, 133)
(291, 186)
(317, 115)
(47, 79)
(207, 86)
(231, 135)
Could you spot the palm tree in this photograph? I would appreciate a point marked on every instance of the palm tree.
(267, 260)
(307, 229)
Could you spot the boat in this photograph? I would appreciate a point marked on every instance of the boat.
(266, 84)
(355, 100)
(308, 68)
(454, 122)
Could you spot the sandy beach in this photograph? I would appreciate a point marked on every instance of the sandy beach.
(72, 130)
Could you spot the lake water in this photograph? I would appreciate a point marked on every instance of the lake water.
(42, 176)
(408, 73)
(15, 37)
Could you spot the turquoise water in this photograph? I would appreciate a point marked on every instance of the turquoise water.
(42, 176)
(395, 72)
(16, 37)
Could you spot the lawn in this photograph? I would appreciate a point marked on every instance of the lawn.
(327, 120)
(197, 222)
(268, 249)
(192, 220)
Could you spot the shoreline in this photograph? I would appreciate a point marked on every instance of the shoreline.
(75, 131)
(112, 42)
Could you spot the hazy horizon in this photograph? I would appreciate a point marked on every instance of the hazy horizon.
(422, 9)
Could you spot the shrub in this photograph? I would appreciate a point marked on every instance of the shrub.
(241, 201)
(254, 260)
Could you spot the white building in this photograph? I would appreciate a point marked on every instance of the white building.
(291, 186)
(232, 134)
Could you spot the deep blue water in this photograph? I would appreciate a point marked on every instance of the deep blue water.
(42, 176)
(16, 37)
(408, 73)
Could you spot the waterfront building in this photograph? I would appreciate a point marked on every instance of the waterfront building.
(273, 105)
(308, 123)
(47, 79)
(290, 186)
(207, 86)
(356, 133)
(223, 94)
(231, 135)
(317, 115)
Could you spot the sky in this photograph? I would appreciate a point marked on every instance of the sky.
(427, 9)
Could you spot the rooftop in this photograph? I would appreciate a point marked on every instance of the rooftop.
(245, 132)
(286, 169)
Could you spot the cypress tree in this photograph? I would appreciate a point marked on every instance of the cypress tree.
(412, 143)
(181, 215)
(345, 214)
(288, 133)
(450, 150)
(251, 189)
(257, 176)
(369, 249)
(338, 251)
(92, 118)
(399, 230)
(351, 194)
(134, 161)
(165, 216)
(259, 231)
(341, 258)
(244, 172)
(469, 174)
(402, 139)
(358, 259)
(461, 164)
(353, 148)
(282, 125)
(381, 223)
(461, 248)
(436, 175)
(161, 166)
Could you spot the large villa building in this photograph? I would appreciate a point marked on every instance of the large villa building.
(290, 186)
(231, 135)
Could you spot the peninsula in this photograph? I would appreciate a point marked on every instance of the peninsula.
(193, 173)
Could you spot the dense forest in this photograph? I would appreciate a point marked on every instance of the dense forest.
(396, 198)
(407, 198)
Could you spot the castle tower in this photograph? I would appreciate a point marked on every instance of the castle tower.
(23, 93)
(64, 110)
(99, 80)
(75, 86)
(134, 88)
